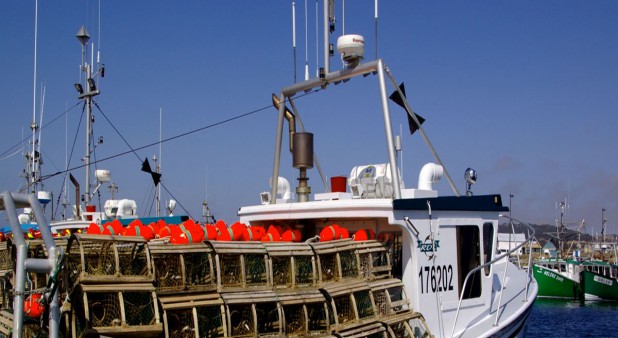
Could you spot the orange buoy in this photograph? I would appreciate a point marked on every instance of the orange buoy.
(330, 233)
(183, 237)
(193, 232)
(212, 232)
(253, 233)
(226, 235)
(136, 222)
(291, 235)
(343, 233)
(112, 228)
(154, 227)
(238, 230)
(94, 229)
(271, 235)
(169, 230)
(33, 306)
(364, 235)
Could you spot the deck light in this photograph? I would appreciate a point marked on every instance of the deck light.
(91, 84)
(79, 88)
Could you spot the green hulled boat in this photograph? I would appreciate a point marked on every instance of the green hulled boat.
(599, 280)
(573, 279)
(558, 278)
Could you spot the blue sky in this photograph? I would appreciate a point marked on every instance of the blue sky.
(525, 92)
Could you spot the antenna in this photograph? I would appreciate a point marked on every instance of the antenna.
(306, 44)
(34, 125)
(294, 36)
(158, 164)
(317, 50)
(342, 17)
(376, 32)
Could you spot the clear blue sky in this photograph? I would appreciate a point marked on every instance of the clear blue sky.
(525, 92)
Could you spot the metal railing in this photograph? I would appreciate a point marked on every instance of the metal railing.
(531, 233)
(10, 202)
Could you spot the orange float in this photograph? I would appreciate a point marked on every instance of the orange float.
(291, 235)
(212, 232)
(271, 235)
(253, 233)
(364, 235)
(330, 233)
(33, 305)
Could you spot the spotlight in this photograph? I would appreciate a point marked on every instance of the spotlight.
(79, 88)
(91, 84)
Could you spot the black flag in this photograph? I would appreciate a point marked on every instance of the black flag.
(156, 177)
(397, 99)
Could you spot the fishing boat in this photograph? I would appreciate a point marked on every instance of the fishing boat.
(575, 276)
(367, 257)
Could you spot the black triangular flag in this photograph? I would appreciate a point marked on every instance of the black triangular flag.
(156, 177)
(398, 100)
(146, 166)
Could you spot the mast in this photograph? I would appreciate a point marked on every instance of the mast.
(158, 164)
(86, 94)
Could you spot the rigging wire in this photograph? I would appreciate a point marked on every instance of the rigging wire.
(66, 171)
(175, 137)
(134, 150)
(46, 125)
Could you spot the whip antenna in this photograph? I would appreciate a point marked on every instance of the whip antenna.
(376, 30)
(306, 44)
(294, 36)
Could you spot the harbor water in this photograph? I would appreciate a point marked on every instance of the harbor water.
(561, 318)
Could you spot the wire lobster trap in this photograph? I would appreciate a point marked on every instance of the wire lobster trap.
(183, 268)
(240, 266)
(194, 316)
(116, 310)
(374, 260)
(253, 314)
(107, 259)
(407, 325)
(389, 296)
(305, 313)
(371, 330)
(7, 256)
(291, 265)
(351, 302)
(336, 260)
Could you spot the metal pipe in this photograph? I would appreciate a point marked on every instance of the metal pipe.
(392, 157)
(341, 75)
(24, 265)
(20, 274)
(326, 37)
(277, 160)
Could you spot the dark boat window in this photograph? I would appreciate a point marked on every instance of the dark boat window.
(468, 246)
(488, 244)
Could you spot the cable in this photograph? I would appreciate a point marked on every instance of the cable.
(47, 124)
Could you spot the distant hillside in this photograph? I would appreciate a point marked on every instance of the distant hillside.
(542, 232)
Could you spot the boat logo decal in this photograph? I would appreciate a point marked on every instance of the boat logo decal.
(428, 247)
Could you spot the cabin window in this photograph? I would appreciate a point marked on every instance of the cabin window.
(468, 246)
(488, 244)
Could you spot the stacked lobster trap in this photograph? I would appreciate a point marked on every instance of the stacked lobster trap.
(126, 286)
(109, 284)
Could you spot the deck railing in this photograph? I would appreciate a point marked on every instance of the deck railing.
(528, 269)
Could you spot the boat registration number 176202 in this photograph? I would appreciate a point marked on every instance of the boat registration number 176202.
(436, 278)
